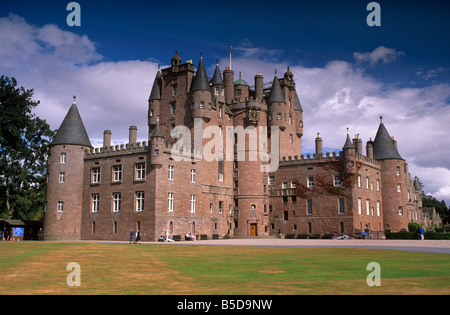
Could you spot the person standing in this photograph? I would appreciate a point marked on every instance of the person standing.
(132, 236)
(40, 234)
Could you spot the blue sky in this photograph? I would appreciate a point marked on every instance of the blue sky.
(347, 73)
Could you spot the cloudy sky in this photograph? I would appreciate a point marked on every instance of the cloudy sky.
(347, 73)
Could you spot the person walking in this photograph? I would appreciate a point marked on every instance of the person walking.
(132, 236)
(422, 233)
(138, 237)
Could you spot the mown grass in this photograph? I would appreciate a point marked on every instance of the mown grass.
(40, 268)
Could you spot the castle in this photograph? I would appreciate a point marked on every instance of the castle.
(223, 158)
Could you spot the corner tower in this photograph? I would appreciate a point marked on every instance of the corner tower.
(393, 180)
(65, 179)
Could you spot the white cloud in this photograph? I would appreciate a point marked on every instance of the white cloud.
(379, 55)
(58, 64)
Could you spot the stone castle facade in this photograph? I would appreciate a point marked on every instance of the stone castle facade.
(223, 158)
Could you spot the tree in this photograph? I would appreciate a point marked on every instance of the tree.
(24, 141)
(440, 206)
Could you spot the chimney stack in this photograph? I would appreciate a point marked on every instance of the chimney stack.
(319, 149)
(133, 135)
(107, 138)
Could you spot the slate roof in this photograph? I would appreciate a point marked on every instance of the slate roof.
(201, 81)
(383, 146)
(348, 143)
(156, 89)
(72, 130)
(217, 77)
(297, 105)
(276, 95)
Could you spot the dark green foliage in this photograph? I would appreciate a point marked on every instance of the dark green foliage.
(24, 140)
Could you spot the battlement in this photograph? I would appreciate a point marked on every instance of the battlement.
(329, 157)
(115, 150)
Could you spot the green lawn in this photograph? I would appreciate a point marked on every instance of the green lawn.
(40, 268)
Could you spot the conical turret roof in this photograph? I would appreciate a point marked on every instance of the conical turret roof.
(348, 143)
(383, 145)
(276, 95)
(217, 78)
(72, 130)
(201, 81)
(297, 104)
(156, 89)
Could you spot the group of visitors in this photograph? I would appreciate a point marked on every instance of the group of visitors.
(134, 240)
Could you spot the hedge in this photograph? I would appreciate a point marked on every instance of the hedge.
(403, 235)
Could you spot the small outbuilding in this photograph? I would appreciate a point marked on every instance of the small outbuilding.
(20, 230)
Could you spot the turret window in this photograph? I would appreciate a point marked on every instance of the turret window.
(60, 207)
(63, 158)
(217, 91)
(62, 178)
(202, 105)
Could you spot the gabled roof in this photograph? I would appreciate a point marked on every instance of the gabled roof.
(383, 146)
(217, 77)
(201, 81)
(276, 95)
(156, 90)
(72, 130)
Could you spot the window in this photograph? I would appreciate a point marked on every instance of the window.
(152, 113)
(367, 182)
(239, 92)
(95, 203)
(95, 176)
(61, 178)
(217, 91)
(359, 181)
(400, 210)
(284, 185)
(173, 108)
(359, 206)
(192, 203)
(140, 201)
(367, 206)
(193, 176)
(60, 207)
(117, 201)
(341, 206)
(170, 201)
(202, 105)
(171, 172)
(220, 206)
(63, 158)
(378, 208)
(210, 207)
(286, 215)
(140, 171)
(398, 170)
(337, 180)
(271, 179)
(175, 90)
(220, 164)
(291, 139)
(293, 184)
(279, 116)
(399, 187)
(117, 173)
(378, 185)
(309, 206)
(310, 182)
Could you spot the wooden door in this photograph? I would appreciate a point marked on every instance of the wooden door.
(253, 229)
